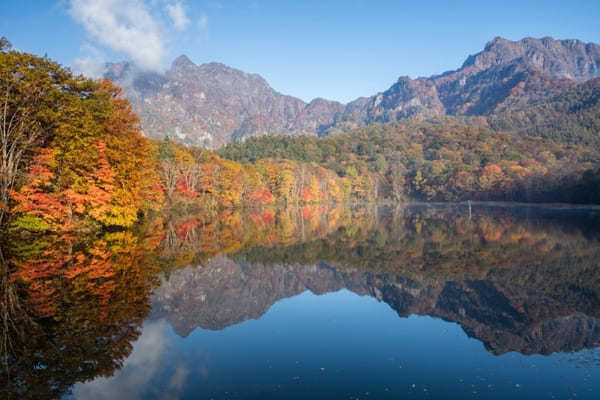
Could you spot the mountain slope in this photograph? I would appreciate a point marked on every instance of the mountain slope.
(212, 104)
(506, 75)
(572, 116)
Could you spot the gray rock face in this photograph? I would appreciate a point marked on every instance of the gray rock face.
(212, 104)
(570, 58)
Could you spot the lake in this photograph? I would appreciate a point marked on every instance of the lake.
(391, 301)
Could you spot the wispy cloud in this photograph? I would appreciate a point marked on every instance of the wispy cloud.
(138, 372)
(178, 16)
(124, 26)
(203, 22)
(91, 63)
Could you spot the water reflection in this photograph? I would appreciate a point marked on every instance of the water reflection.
(522, 279)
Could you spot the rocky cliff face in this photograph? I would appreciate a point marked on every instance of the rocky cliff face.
(570, 59)
(211, 104)
(504, 316)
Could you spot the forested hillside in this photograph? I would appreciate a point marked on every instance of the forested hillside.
(72, 152)
(443, 162)
(572, 117)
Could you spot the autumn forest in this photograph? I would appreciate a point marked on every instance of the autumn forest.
(73, 157)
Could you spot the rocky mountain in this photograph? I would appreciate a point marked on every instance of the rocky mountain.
(570, 58)
(506, 75)
(211, 104)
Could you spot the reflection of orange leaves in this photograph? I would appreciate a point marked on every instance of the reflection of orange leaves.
(262, 196)
(184, 229)
(517, 235)
(492, 235)
(226, 213)
(461, 227)
(268, 216)
(41, 293)
(262, 218)
(305, 195)
(306, 211)
(490, 231)
(36, 269)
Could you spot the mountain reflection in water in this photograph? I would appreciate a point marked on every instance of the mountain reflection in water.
(517, 279)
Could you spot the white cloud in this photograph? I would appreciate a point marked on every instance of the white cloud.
(177, 381)
(203, 22)
(177, 14)
(91, 64)
(125, 26)
(138, 372)
(89, 67)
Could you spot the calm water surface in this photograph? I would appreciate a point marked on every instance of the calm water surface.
(423, 301)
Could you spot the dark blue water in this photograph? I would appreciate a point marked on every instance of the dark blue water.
(338, 345)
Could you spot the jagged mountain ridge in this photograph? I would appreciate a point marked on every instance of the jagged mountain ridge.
(211, 104)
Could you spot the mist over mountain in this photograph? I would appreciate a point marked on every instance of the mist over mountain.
(211, 104)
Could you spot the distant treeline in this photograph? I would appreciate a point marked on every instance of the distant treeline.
(443, 162)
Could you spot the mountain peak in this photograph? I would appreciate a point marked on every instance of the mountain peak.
(498, 40)
(570, 58)
(182, 62)
(214, 66)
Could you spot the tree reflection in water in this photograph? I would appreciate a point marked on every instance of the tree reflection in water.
(518, 279)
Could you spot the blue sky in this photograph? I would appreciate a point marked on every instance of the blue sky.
(338, 50)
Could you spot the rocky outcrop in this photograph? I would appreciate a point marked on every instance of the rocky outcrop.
(506, 75)
(570, 58)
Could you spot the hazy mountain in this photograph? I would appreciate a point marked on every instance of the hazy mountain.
(212, 104)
